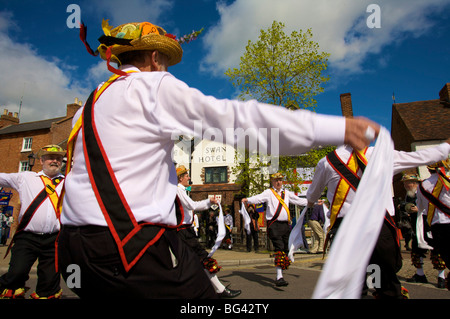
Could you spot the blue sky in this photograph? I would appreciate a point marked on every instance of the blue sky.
(46, 65)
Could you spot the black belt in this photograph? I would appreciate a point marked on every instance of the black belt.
(86, 229)
(40, 234)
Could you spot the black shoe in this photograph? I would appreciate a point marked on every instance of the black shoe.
(441, 282)
(281, 282)
(418, 279)
(228, 293)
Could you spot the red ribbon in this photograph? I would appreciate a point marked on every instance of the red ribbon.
(83, 34)
(110, 68)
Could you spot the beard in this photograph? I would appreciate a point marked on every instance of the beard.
(52, 169)
(411, 193)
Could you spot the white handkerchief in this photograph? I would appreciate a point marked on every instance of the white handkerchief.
(247, 219)
(296, 237)
(344, 272)
(220, 233)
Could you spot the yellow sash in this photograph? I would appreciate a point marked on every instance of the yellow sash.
(431, 207)
(282, 203)
(343, 186)
(50, 188)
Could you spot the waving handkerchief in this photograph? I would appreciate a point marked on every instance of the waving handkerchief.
(221, 232)
(345, 269)
(295, 237)
(421, 242)
(247, 219)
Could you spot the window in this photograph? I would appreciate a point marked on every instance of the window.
(215, 175)
(27, 143)
(24, 166)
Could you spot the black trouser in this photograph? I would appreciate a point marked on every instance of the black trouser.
(253, 235)
(441, 241)
(155, 275)
(28, 248)
(279, 235)
(188, 236)
(386, 254)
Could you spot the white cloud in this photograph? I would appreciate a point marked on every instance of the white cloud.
(339, 26)
(47, 84)
(45, 87)
(99, 72)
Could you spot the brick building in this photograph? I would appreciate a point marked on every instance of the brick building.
(18, 141)
(420, 124)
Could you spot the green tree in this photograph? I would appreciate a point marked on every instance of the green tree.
(280, 69)
(284, 70)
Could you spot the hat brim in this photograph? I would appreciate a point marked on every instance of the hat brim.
(153, 42)
(411, 179)
(277, 176)
(182, 172)
(43, 153)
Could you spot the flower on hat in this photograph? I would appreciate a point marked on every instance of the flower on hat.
(190, 37)
(106, 27)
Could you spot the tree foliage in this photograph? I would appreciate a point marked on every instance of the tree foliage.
(284, 70)
(280, 69)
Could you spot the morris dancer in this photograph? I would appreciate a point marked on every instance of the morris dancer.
(38, 228)
(278, 220)
(418, 253)
(341, 171)
(120, 194)
(187, 234)
(433, 200)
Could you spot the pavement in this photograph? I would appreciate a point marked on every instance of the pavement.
(238, 257)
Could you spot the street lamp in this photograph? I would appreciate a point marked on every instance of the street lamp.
(31, 160)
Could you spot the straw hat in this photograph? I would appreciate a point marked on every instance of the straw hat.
(410, 177)
(181, 170)
(132, 37)
(141, 36)
(276, 176)
(51, 150)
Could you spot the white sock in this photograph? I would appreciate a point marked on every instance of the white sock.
(279, 272)
(441, 274)
(420, 272)
(218, 286)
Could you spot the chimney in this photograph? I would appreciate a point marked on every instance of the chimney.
(8, 119)
(444, 95)
(346, 105)
(73, 108)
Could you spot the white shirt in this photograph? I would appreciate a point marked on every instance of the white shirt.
(29, 185)
(189, 206)
(272, 202)
(325, 175)
(228, 220)
(422, 203)
(138, 118)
